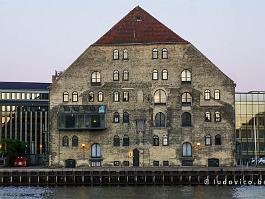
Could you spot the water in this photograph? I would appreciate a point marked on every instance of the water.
(134, 192)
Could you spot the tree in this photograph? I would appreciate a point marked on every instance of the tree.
(12, 149)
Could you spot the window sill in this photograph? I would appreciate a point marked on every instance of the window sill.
(160, 104)
(95, 83)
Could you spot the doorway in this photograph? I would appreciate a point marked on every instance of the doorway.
(136, 158)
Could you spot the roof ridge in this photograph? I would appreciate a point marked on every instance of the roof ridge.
(138, 26)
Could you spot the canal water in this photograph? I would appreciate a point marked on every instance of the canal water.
(134, 192)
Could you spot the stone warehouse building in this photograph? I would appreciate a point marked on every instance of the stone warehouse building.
(142, 96)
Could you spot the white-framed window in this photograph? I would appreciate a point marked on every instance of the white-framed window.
(95, 151)
(155, 53)
(115, 75)
(207, 116)
(155, 74)
(125, 54)
(207, 94)
(160, 97)
(116, 54)
(95, 78)
(65, 96)
(186, 149)
(91, 96)
(165, 140)
(217, 116)
(208, 140)
(186, 76)
(100, 96)
(125, 75)
(217, 95)
(75, 96)
(126, 96)
(164, 74)
(116, 96)
(186, 99)
(116, 117)
(164, 53)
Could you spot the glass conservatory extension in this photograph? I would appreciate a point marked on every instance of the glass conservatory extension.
(81, 117)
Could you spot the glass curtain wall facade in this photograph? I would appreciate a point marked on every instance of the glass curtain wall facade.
(24, 116)
(250, 120)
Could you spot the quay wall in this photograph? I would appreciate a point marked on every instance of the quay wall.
(132, 176)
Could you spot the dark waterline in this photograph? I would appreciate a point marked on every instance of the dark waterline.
(134, 192)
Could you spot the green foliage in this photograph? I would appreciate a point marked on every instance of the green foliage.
(12, 149)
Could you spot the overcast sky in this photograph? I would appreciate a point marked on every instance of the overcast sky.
(38, 37)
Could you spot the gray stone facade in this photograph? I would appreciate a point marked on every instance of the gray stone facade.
(142, 108)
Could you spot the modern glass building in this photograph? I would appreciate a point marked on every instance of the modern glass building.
(24, 116)
(250, 120)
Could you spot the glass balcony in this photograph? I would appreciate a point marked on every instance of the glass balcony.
(82, 117)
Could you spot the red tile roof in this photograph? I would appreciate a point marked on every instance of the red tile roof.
(138, 26)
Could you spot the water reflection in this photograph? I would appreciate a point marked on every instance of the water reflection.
(134, 192)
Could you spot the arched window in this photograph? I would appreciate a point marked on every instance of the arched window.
(155, 75)
(217, 95)
(164, 74)
(218, 140)
(91, 96)
(186, 99)
(65, 97)
(115, 54)
(74, 140)
(155, 140)
(186, 149)
(208, 140)
(186, 119)
(115, 75)
(207, 117)
(75, 96)
(164, 53)
(65, 141)
(125, 75)
(165, 140)
(116, 96)
(116, 117)
(207, 94)
(126, 141)
(217, 116)
(160, 97)
(95, 78)
(100, 96)
(155, 54)
(125, 54)
(160, 120)
(126, 96)
(186, 76)
(95, 151)
(116, 140)
(126, 117)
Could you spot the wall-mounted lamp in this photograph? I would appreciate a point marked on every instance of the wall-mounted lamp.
(130, 153)
(83, 146)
